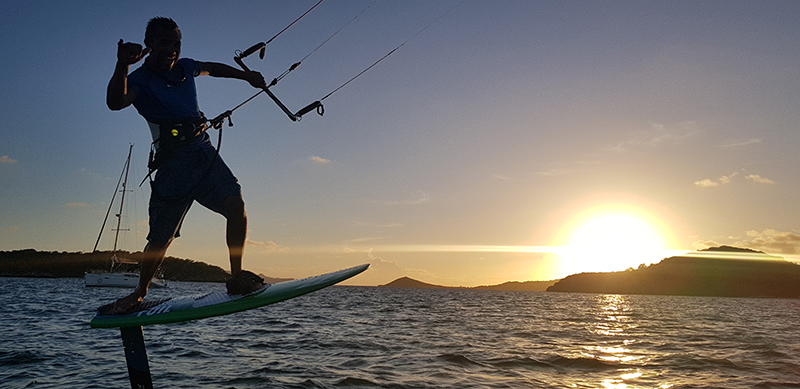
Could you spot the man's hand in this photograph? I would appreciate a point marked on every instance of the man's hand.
(118, 96)
(130, 53)
(255, 79)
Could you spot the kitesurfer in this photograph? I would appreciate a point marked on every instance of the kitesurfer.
(189, 168)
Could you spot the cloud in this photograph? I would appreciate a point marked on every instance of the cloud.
(319, 160)
(357, 241)
(391, 269)
(416, 198)
(758, 179)
(655, 136)
(724, 180)
(772, 241)
(77, 205)
(704, 244)
(6, 159)
(748, 142)
(727, 179)
(265, 246)
(707, 183)
(376, 225)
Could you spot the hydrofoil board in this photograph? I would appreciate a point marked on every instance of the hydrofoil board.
(173, 310)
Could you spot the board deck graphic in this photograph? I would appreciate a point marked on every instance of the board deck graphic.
(173, 310)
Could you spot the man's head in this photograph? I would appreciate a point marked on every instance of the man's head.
(163, 37)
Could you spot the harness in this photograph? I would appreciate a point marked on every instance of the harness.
(171, 136)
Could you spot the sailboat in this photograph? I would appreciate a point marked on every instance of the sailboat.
(124, 271)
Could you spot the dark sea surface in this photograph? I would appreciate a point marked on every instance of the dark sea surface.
(408, 338)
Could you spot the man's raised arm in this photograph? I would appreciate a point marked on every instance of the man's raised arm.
(118, 96)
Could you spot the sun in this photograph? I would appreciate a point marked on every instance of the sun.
(611, 241)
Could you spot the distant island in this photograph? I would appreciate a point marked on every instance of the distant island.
(53, 264)
(531, 286)
(723, 271)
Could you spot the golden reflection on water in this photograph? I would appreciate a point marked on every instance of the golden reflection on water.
(614, 325)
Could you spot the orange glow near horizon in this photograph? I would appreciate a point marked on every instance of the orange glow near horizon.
(613, 238)
(611, 243)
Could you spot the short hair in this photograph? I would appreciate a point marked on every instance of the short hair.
(156, 25)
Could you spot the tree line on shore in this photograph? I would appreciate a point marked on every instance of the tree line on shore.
(54, 264)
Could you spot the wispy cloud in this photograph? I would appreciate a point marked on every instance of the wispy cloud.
(655, 135)
(569, 167)
(758, 179)
(561, 171)
(77, 205)
(7, 160)
(376, 225)
(506, 178)
(265, 246)
(704, 244)
(772, 241)
(724, 180)
(748, 142)
(319, 160)
(708, 183)
(415, 198)
(348, 245)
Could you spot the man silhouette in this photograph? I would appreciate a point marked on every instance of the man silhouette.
(189, 168)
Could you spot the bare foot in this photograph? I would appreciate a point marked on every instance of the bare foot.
(125, 305)
(244, 282)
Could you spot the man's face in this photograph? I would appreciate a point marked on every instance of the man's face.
(166, 49)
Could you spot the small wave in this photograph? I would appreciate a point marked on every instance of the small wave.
(458, 359)
(778, 385)
(560, 363)
(354, 363)
(519, 363)
(694, 363)
(355, 382)
(24, 357)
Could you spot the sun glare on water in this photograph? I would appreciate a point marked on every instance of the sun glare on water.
(611, 242)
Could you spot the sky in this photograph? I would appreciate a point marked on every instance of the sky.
(507, 141)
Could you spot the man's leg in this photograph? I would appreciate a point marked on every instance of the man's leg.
(154, 254)
(242, 281)
(236, 231)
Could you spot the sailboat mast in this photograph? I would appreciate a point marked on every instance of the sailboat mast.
(114, 196)
(122, 201)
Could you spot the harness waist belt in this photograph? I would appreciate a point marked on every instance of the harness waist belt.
(173, 135)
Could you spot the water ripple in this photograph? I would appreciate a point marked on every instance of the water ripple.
(409, 338)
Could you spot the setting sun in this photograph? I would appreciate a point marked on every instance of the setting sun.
(611, 242)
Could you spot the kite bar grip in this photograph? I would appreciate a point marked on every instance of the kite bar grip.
(258, 46)
(261, 47)
(315, 105)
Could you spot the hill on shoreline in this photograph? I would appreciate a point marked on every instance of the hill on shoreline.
(530, 286)
(719, 271)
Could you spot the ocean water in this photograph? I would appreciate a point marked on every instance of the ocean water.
(408, 338)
